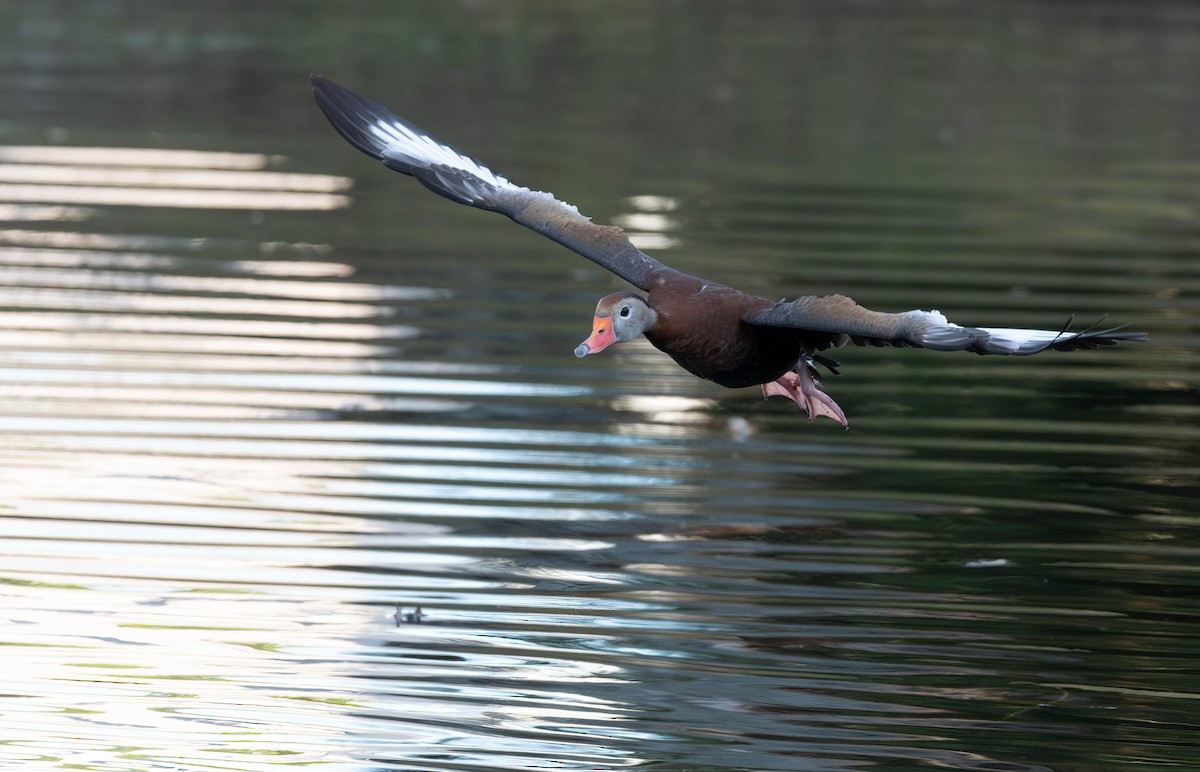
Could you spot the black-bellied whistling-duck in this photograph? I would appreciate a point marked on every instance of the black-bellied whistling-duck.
(711, 330)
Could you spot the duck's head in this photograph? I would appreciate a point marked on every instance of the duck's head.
(620, 316)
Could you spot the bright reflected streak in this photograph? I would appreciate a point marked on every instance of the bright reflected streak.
(84, 258)
(188, 403)
(268, 289)
(434, 434)
(666, 409)
(292, 268)
(647, 229)
(652, 240)
(172, 178)
(286, 452)
(231, 352)
(249, 328)
(34, 213)
(645, 222)
(362, 384)
(92, 258)
(591, 478)
(161, 409)
(178, 198)
(222, 361)
(653, 203)
(92, 300)
(115, 241)
(453, 491)
(573, 576)
(133, 156)
(655, 404)
(71, 239)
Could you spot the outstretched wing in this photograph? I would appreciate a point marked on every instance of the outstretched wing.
(834, 320)
(374, 130)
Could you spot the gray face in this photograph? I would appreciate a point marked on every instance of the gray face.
(631, 318)
(618, 319)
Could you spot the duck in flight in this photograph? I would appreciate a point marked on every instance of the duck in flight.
(712, 331)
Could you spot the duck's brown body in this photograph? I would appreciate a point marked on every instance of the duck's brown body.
(713, 331)
(701, 326)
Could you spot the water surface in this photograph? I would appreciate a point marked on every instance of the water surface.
(261, 399)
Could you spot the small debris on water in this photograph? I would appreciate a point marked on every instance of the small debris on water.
(410, 617)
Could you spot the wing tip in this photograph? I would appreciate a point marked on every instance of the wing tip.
(350, 114)
(324, 87)
(1027, 342)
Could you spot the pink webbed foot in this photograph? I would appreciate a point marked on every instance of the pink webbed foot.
(805, 390)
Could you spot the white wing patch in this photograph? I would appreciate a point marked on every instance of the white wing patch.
(543, 194)
(1015, 339)
(935, 317)
(947, 336)
(424, 151)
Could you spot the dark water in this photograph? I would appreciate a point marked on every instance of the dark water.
(257, 391)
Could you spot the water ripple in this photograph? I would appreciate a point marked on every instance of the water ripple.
(286, 481)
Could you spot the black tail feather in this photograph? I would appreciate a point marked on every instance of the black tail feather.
(1090, 337)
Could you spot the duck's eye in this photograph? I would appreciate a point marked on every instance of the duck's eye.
(625, 311)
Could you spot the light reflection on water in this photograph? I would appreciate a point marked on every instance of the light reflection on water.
(236, 447)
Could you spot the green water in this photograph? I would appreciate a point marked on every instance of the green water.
(245, 416)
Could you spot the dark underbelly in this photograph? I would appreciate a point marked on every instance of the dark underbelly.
(759, 357)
